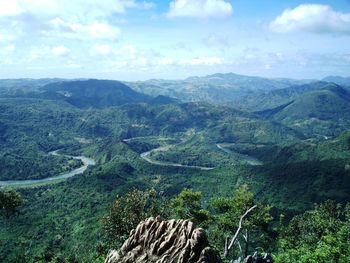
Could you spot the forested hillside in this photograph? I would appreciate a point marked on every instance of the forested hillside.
(286, 156)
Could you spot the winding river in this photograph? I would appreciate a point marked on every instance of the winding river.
(146, 157)
(247, 158)
(85, 160)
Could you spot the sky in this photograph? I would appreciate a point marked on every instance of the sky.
(173, 39)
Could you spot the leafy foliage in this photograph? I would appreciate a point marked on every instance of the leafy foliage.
(10, 200)
(187, 205)
(127, 211)
(318, 235)
(65, 216)
(227, 213)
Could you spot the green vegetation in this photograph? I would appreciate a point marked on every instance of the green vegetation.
(127, 211)
(197, 151)
(324, 112)
(10, 200)
(299, 167)
(218, 88)
(187, 205)
(227, 213)
(318, 235)
(221, 220)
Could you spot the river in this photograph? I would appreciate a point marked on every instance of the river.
(85, 160)
(247, 158)
(145, 156)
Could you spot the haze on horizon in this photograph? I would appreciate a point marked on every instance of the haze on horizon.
(144, 39)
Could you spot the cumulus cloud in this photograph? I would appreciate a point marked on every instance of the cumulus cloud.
(9, 8)
(5, 52)
(64, 8)
(6, 37)
(101, 49)
(41, 53)
(129, 51)
(314, 18)
(38, 53)
(95, 30)
(60, 51)
(79, 19)
(200, 8)
(166, 61)
(202, 61)
(126, 52)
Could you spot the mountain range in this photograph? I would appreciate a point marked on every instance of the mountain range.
(286, 140)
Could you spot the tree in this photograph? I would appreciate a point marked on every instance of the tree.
(239, 217)
(128, 210)
(187, 205)
(10, 200)
(318, 235)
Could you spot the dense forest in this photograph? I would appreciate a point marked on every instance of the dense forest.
(196, 157)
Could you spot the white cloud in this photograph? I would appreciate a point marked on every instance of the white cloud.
(95, 30)
(38, 53)
(100, 30)
(9, 48)
(147, 5)
(101, 49)
(312, 18)
(5, 37)
(199, 8)
(60, 51)
(129, 51)
(141, 61)
(202, 61)
(72, 65)
(9, 8)
(126, 52)
(69, 8)
(41, 53)
(166, 61)
(6, 53)
(123, 56)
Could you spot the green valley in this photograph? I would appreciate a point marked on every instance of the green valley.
(291, 153)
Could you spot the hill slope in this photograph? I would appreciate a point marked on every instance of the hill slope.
(93, 93)
(338, 80)
(216, 88)
(263, 100)
(325, 111)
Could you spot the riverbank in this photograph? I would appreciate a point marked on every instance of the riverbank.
(85, 160)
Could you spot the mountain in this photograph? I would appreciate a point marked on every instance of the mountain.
(264, 100)
(324, 111)
(343, 81)
(93, 93)
(162, 100)
(242, 81)
(22, 86)
(294, 170)
(217, 88)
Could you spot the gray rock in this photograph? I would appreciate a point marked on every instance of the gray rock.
(173, 241)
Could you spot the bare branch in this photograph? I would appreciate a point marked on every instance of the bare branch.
(233, 240)
(226, 245)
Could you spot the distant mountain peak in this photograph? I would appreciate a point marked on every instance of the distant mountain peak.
(97, 93)
(343, 81)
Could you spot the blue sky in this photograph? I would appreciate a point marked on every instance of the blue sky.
(144, 39)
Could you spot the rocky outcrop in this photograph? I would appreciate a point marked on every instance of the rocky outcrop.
(173, 241)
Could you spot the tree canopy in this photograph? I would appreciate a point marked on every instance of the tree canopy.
(10, 200)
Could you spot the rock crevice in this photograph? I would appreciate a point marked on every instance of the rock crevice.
(173, 241)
